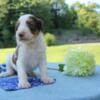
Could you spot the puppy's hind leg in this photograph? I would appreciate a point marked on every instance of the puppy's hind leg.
(9, 69)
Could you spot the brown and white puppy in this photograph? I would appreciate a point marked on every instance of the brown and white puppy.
(30, 51)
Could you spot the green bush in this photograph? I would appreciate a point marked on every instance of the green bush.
(50, 39)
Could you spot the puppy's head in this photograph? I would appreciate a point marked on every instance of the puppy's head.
(28, 27)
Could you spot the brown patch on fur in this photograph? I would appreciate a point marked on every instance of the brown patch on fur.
(15, 56)
(39, 24)
(35, 25)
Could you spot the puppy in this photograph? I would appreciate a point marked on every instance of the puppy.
(30, 51)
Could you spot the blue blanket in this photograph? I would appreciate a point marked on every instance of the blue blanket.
(11, 83)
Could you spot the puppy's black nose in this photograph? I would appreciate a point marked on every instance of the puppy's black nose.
(21, 35)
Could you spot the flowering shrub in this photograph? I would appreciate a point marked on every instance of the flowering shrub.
(50, 39)
(79, 62)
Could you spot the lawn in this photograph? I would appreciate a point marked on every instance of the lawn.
(56, 53)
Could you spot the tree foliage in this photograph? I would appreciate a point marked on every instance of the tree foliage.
(88, 19)
(54, 13)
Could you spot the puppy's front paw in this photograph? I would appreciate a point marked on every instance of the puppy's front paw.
(24, 84)
(47, 79)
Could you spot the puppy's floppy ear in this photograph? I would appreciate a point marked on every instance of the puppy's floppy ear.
(39, 24)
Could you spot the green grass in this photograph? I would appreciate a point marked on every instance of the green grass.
(56, 53)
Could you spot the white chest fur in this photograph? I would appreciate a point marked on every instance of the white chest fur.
(29, 55)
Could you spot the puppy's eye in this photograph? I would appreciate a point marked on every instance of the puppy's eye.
(30, 22)
(17, 25)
